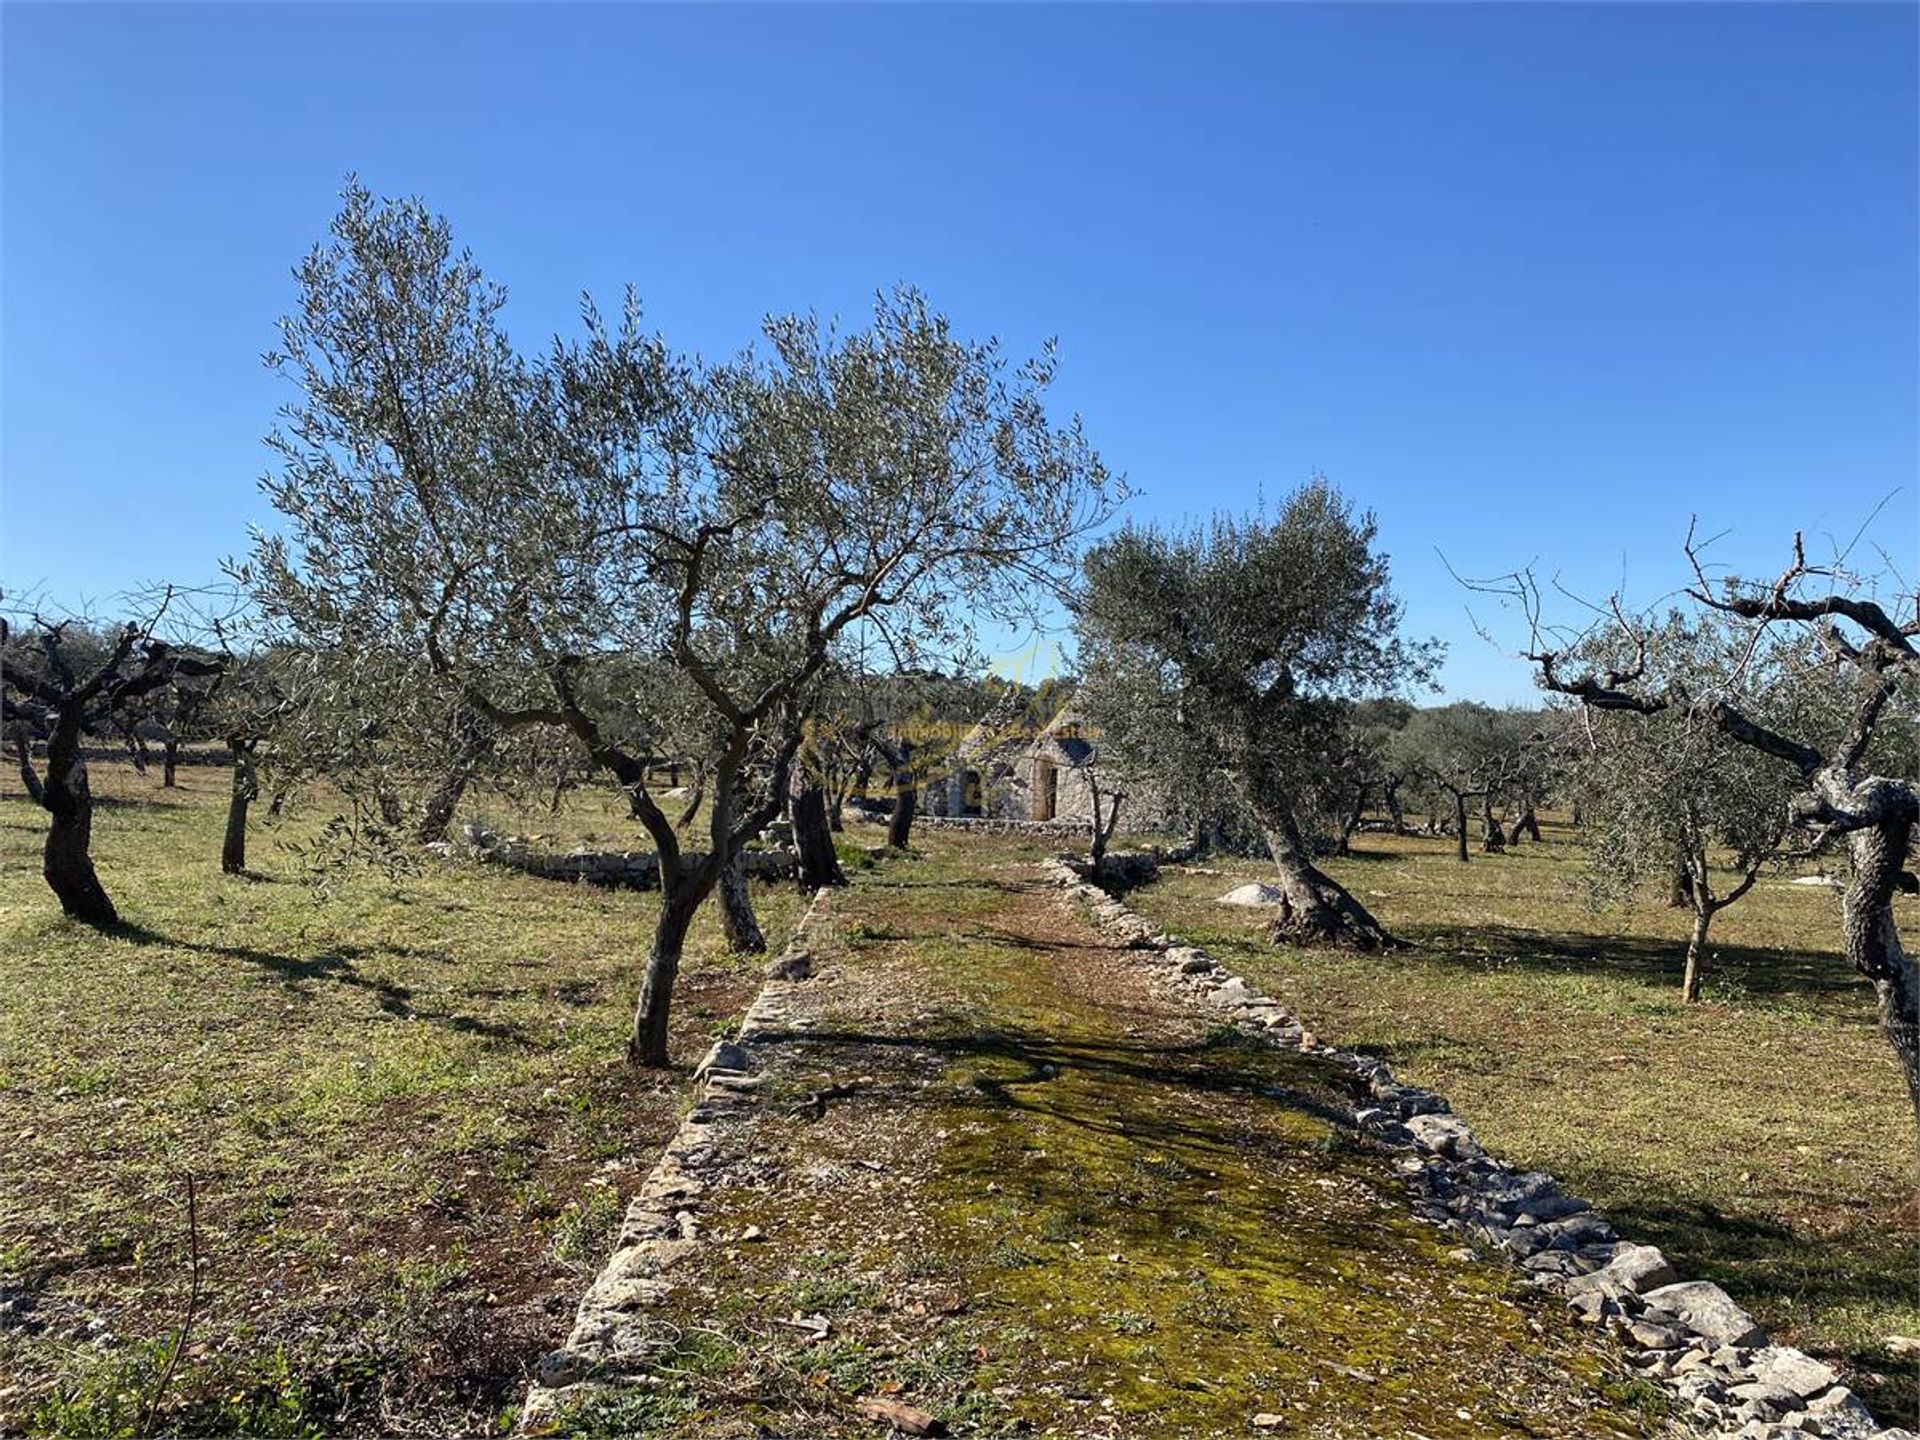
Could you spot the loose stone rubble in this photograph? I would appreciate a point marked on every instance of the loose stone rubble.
(613, 1336)
(628, 869)
(1687, 1336)
(989, 825)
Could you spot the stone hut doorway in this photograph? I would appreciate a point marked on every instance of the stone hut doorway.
(972, 798)
(1046, 789)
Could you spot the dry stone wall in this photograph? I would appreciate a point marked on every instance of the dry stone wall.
(989, 825)
(612, 1336)
(1688, 1336)
(629, 869)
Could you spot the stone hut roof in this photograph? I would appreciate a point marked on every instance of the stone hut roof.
(1064, 740)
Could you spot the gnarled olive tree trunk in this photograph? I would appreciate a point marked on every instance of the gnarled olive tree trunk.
(685, 883)
(1493, 839)
(1873, 941)
(812, 839)
(906, 792)
(1314, 908)
(1680, 896)
(744, 936)
(169, 762)
(1350, 819)
(1392, 794)
(136, 748)
(246, 789)
(477, 739)
(29, 777)
(67, 862)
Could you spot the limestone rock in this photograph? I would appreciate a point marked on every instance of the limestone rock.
(1842, 1416)
(1706, 1309)
(1791, 1369)
(1446, 1135)
(725, 1055)
(1639, 1268)
(1253, 895)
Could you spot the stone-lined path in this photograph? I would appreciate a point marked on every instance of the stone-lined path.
(983, 1172)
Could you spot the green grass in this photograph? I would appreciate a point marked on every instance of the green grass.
(395, 1096)
(1763, 1138)
(1086, 1215)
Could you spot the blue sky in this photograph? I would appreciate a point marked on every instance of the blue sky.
(1536, 283)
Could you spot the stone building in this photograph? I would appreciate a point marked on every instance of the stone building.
(1002, 772)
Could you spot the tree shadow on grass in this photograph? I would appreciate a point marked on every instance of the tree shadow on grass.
(1654, 963)
(339, 966)
(1024, 1063)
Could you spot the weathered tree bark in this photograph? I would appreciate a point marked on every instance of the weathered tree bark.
(169, 762)
(67, 863)
(906, 793)
(246, 788)
(840, 781)
(1350, 822)
(477, 740)
(1690, 978)
(1493, 839)
(136, 749)
(1873, 941)
(1392, 796)
(29, 777)
(680, 900)
(1315, 909)
(819, 864)
(1528, 822)
(1680, 897)
(1103, 828)
(744, 936)
(1460, 825)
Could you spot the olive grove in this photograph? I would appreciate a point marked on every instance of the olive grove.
(654, 555)
(1847, 749)
(1229, 652)
(70, 682)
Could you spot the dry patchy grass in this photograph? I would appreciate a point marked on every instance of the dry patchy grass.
(403, 1101)
(1762, 1138)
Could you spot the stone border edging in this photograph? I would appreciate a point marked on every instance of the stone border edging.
(1689, 1337)
(634, 869)
(661, 1226)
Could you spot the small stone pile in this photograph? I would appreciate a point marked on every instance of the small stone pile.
(613, 1336)
(1687, 1336)
(619, 869)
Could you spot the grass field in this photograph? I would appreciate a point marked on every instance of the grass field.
(402, 1101)
(404, 1108)
(1762, 1138)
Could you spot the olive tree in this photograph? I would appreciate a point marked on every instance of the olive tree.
(1364, 769)
(74, 683)
(527, 523)
(1466, 751)
(1855, 781)
(1236, 644)
(1667, 798)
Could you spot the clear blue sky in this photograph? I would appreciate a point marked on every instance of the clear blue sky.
(1533, 282)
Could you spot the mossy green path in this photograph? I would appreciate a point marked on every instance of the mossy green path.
(1017, 1187)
